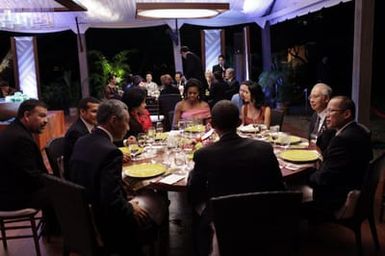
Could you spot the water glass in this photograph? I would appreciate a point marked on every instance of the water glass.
(159, 127)
(180, 158)
(141, 139)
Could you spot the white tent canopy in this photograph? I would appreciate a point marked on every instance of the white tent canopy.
(121, 13)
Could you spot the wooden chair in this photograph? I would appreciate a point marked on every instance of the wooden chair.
(277, 118)
(7, 218)
(55, 151)
(259, 223)
(74, 216)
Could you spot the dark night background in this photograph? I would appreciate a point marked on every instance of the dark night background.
(328, 32)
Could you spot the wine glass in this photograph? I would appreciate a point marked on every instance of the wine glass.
(141, 139)
(134, 150)
(285, 140)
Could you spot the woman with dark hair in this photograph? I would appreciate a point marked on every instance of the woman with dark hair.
(192, 107)
(254, 109)
(140, 121)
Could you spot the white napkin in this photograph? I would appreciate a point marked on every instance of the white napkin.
(172, 178)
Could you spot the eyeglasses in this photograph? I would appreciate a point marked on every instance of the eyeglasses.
(328, 110)
(314, 96)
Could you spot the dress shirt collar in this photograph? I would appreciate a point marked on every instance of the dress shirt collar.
(321, 116)
(343, 128)
(89, 126)
(106, 131)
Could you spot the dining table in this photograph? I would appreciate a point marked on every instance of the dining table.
(172, 177)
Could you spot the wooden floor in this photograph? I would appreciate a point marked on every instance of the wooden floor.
(331, 240)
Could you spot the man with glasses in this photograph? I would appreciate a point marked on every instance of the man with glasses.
(345, 158)
(319, 98)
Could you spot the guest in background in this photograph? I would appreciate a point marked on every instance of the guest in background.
(111, 90)
(239, 98)
(209, 78)
(217, 89)
(88, 108)
(168, 87)
(192, 66)
(214, 175)
(254, 110)
(6, 90)
(345, 159)
(221, 66)
(151, 87)
(140, 121)
(179, 82)
(233, 83)
(192, 107)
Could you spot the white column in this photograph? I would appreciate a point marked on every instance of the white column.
(26, 68)
(212, 47)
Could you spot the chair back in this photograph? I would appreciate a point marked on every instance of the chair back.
(365, 204)
(167, 103)
(73, 213)
(265, 223)
(277, 118)
(55, 151)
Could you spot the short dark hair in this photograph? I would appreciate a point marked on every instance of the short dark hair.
(193, 82)
(133, 97)
(136, 80)
(179, 72)
(225, 116)
(347, 104)
(221, 56)
(29, 105)
(83, 103)
(110, 108)
(184, 49)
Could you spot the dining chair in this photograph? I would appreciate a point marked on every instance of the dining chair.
(74, 216)
(364, 209)
(55, 151)
(167, 103)
(24, 216)
(277, 117)
(259, 223)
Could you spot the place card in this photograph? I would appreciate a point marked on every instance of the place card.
(172, 178)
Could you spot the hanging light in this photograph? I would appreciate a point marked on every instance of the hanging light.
(179, 10)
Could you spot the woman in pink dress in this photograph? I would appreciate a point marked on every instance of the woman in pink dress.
(254, 110)
(192, 107)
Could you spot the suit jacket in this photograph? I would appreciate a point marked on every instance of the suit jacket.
(217, 92)
(312, 124)
(233, 88)
(218, 67)
(78, 129)
(233, 165)
(21, 167)
(192, 68)
(343, 168)
(96, 164)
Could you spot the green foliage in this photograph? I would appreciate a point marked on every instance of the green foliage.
(101, 67)
(61, 93)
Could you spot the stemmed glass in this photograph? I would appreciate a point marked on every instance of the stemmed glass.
(134, 150)
(285, 140)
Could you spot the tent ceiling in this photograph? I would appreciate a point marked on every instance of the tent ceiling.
(121, 14)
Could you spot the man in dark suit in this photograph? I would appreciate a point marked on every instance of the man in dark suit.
(345, 158)
(192, 66)
(231, 165)
(234, 85)
(22, 165)
(96, 164)
(319, 98)
(88, 108)
(221, 66)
